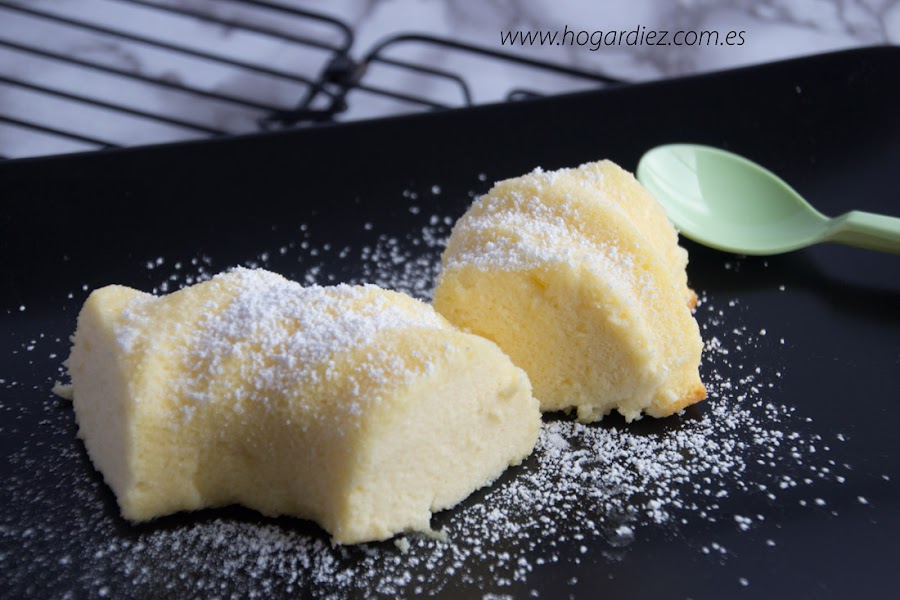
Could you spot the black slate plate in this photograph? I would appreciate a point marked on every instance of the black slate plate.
(824, 404)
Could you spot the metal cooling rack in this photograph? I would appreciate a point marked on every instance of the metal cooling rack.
(319, 84)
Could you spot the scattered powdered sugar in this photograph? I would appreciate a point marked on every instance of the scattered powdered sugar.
(588, 493)
(517, 231)
(285, 332)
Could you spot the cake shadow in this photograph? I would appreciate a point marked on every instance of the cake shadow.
(645, 426)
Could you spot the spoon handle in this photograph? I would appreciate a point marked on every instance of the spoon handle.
(866, 230)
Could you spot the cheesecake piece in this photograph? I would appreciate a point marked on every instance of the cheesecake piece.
(577, 275)
(639, 206)
(359, 408)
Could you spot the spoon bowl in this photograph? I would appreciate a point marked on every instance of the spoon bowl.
(725, 201)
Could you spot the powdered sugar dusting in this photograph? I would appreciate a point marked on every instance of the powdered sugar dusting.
(285, 332)
(518, 232)
(589, 494)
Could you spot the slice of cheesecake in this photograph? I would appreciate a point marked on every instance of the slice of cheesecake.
(356, 407)
(577, 275)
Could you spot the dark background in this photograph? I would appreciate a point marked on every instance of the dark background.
(829, 125)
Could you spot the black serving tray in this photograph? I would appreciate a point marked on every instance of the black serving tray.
(830, 355)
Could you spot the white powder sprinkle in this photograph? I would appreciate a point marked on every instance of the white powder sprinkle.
(587, 490)
(286, 332)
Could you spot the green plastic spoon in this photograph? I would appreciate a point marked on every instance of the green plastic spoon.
(725, 201)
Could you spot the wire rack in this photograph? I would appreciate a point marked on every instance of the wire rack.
(272, 66)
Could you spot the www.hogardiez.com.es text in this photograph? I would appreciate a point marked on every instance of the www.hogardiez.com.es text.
(639, 36)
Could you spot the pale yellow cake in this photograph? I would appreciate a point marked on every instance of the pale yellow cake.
(577, 275)
(356, 407)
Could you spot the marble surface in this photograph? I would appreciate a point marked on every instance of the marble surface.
(771, 30)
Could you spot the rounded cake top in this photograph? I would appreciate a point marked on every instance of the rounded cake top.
(261, 339)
